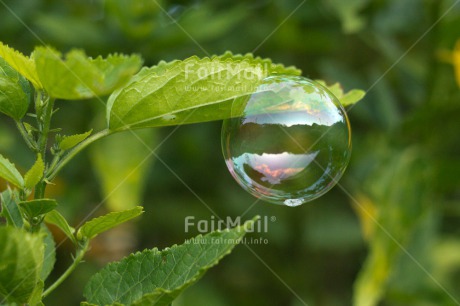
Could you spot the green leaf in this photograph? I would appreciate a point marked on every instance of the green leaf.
(154, 277)
(15, 92)
(21, 63)
(21, 259)
(49, 253)
(9, 172)
(101, 224)
(35, 174)
(10, 209)
(81, 77)
(121, 162)
(193, 90)
(352, 97)
(35, 208)
(29, 128)
(55, 218)
(68, 142)
(349, 98)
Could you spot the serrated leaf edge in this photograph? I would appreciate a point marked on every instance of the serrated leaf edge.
(227, 58)
(34, 79)
(38, 166)
(199, 273)
(79, 137)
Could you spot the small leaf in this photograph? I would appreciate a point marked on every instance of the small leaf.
(101, 224)
(49, 253)
(349, 98)
(193, 90)
(8, 172)
(55, 218)
(35, 173)
(35, 208)
(15, 92)
(155, 277)
(68, 142)
(21, 258)
(29, 128)
(10, 209)
(352, 97)
(80, 77)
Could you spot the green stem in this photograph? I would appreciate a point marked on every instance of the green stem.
(26, 137)
(43, 141)
(53, 171)
(78, 258)
(55, 161)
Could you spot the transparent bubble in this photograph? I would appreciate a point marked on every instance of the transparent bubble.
(289, 142)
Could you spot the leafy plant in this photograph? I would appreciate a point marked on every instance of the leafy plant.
(138, 98)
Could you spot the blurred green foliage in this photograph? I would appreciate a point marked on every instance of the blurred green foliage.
(390, 236)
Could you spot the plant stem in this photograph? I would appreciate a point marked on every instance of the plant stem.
(55, 160)
(53, 171)
(78, 258)
(43, 141)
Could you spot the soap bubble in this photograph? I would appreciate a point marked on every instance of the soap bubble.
(289, 142)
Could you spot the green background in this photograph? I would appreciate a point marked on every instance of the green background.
(390, 234)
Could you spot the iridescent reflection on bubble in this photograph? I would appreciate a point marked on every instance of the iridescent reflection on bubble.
(287, 143)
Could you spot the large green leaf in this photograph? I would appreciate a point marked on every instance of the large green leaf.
(21, 260)
(154, 277)
(9, 172)
(10, 209)
(80, 77)
(35, 174)
(15, 92)
(193, 90)
(21, 63)
(101, 224)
